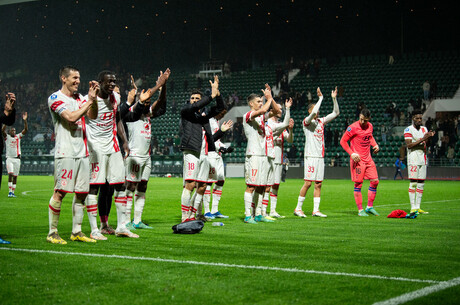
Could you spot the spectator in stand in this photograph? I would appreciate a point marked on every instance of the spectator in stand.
(383, 132)
(309, 97)
(451, 154)
(410, 109)
(399, 167)
(426, 90)
(402, 118)
(292, 152)
(391, 60)
(285, 167)
(238, 133)
(176, 143)
(395, 120)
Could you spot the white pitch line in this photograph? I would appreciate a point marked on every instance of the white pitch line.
(165, 260)
(407, 203)
(420, 293)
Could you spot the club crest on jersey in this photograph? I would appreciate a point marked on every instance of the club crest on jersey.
(146, 126)
(53, 96)
(349, 129)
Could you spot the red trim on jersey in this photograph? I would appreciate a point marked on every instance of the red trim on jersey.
(248, 116)
(116, 146)
(17, 145)
(408, 135)
(322, 136)
(55, 105)
(81, 192)
(97, 183)
(83, 126)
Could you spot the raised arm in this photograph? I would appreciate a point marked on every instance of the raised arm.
(26, 127)
(279, 128)
(160, 82)
(335, 111)
(315, 109)
(8, 116)
(268, 96)
(89, 108)
(290, 137)
(92, 94)
(158, 108)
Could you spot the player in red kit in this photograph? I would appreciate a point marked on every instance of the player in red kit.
(361, 164)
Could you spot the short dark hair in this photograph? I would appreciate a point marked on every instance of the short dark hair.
(251, 97)
(102, 74)
(65, 71)
(366, 113)
(417, 111)
(196, 91)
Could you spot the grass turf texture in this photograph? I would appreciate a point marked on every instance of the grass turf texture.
(426, 248)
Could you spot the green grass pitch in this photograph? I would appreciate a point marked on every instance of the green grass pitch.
(342, 259)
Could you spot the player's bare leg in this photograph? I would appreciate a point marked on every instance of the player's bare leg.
(200, 189)
(139, 203)
(54, 211)
(274, 201)
(317, 199)
(91, 210)
(303, 192)
(216, 195)
(185, 198)
(120, 203)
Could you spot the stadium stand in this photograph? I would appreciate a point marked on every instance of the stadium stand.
(364, 80)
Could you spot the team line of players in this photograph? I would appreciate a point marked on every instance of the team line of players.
(88, 154)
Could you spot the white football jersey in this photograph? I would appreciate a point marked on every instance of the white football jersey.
(269, 142)
(139, 137)
(13, 145)
(279, 146)
(102, 131)
(71, 141)
(415, 156)
(254, 129)
(215, 128)
(314, 138)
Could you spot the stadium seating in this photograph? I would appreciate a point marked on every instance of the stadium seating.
(366, 79)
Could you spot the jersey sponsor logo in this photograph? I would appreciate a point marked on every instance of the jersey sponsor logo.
(53, 96)
(106, 116)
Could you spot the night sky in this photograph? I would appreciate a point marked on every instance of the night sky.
(44, 35)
